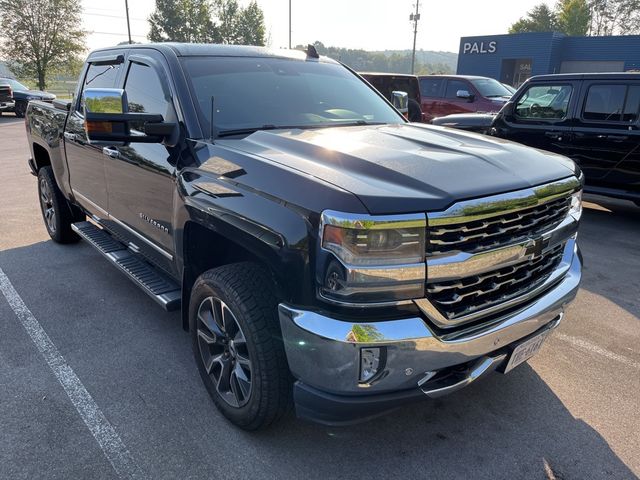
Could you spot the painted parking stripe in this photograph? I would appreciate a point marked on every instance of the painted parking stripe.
(108, 440)
(593, 348)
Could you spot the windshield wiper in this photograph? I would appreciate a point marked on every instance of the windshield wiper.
(245, 131)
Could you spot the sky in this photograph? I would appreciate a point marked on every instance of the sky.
(366, 24)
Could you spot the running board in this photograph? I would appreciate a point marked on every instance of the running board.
(155, 283)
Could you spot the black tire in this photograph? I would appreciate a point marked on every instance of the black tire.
(246, 291)
(57, 213)
(20, 109)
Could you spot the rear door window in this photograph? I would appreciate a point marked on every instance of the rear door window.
(431, 87)
(612, 103)
(544, 102)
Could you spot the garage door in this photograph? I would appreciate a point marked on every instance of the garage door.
(591, 67)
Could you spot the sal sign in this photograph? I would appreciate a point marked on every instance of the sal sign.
(479, 47)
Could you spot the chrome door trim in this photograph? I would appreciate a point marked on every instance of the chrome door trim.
(160, 250)
(93, 204)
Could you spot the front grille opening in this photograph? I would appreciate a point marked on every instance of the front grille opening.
(457, 298)
(479, 235)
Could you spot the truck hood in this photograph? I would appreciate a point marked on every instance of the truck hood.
(408, 167)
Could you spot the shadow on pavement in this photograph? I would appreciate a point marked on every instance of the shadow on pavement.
(505, 427)
(9, 119)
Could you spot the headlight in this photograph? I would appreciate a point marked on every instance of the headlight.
(30, 97)
(371, 259)
(575, 209)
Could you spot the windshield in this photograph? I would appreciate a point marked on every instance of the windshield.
(15, 85)
(253, 93)
(488, 88)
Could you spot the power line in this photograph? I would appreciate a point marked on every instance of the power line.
(114, 16)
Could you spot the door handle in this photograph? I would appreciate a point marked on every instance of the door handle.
(111, 152)
(70, 136)
(553, 135)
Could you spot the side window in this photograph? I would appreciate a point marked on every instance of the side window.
(99, 76)
(144, 92)
(430, 87)
(632, 105)
(544, 102)
(605, 103)
(453, 86)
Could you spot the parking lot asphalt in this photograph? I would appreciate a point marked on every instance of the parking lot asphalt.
(571, 412)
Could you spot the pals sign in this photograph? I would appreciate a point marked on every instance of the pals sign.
(479, 47)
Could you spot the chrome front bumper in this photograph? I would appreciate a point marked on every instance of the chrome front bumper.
(6, 106)
(324, 352)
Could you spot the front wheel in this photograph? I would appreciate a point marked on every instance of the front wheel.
(238, 346)
(57, 213)
(20, 109)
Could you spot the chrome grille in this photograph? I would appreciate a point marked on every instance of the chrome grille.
(495, 231)
(466, 296)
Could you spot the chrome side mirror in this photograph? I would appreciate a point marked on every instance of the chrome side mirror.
(105, 100)
(400, 100)
(465, 95)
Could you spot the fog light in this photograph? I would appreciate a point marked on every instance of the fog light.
(369, 363)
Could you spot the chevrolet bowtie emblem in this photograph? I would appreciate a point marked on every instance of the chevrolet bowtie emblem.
(535, 246)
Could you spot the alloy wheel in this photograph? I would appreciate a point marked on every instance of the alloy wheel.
(224, 353)
(46, 202)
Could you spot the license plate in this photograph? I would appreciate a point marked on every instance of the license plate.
(526, 350)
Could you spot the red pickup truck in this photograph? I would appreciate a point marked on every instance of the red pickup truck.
(449, 94)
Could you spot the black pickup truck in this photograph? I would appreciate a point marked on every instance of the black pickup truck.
(594, 119)
(325, 252)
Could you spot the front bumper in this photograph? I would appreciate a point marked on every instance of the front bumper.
(324, 354)
(7, 106)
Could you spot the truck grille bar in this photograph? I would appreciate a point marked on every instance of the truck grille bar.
(491, 254)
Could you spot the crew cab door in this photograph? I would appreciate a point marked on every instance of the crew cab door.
(541, 116)
(606, 138)
(451, 103)
(86, 162)
(431, 97)
(141, 176)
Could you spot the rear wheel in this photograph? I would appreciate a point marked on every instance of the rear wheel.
(57, 213)
(20, 109)
(237, 344)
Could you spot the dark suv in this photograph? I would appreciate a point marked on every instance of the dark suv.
(593, 119)
(387, 83)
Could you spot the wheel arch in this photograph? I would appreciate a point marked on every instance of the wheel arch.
(205, 248)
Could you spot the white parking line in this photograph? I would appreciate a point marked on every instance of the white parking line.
(593, 348)
(108, 440)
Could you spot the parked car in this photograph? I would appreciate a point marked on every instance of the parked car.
(511, 89)
(323, 250)
(6, 97)
(387, 83)
(22, 95)
(592, 118)
(450, 94)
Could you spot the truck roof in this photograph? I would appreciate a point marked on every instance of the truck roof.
(589, 76)
(216, 50)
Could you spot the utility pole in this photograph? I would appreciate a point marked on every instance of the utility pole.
(289, 24)
(414, 17)
(126, 7)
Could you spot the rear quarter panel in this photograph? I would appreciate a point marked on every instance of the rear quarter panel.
(45, 128)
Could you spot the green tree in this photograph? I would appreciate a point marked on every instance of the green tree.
(614, 17)
(573, 17)
(40, 34)
(251, 28)
(228, 13)
(183, 21)
(540, 19)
